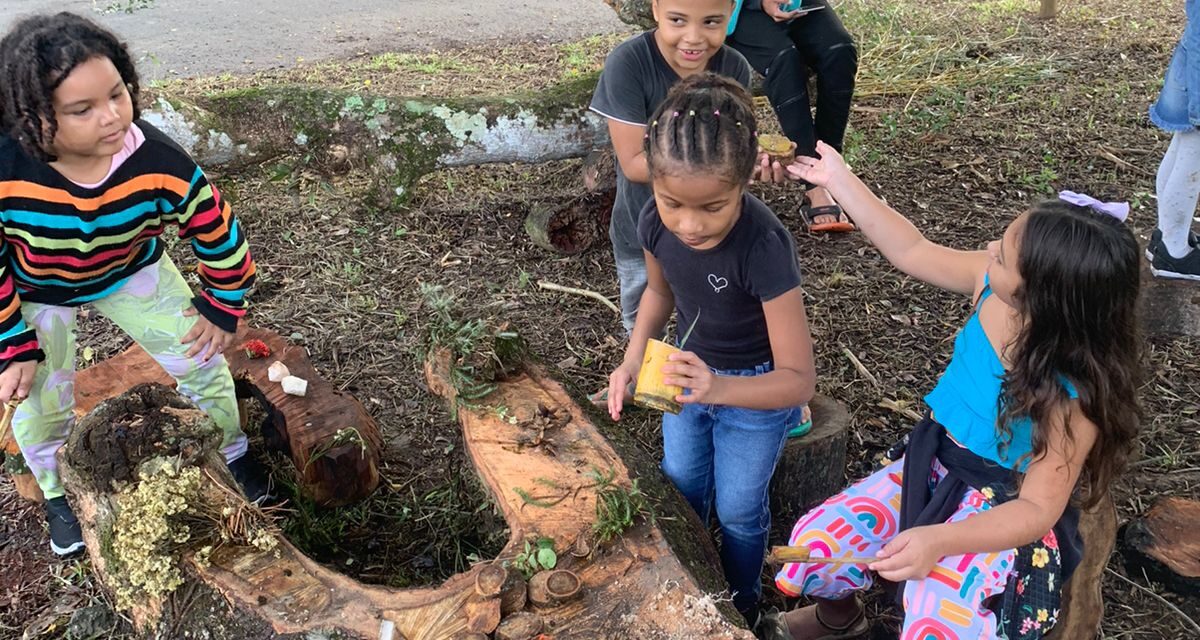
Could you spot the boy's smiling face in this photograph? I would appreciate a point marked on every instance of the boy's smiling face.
(690, 32)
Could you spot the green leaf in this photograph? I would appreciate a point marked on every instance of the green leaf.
(547, 558)
(688, 333)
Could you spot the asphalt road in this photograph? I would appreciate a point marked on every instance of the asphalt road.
(209, 37)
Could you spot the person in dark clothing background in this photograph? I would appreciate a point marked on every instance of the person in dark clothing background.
(786, 43)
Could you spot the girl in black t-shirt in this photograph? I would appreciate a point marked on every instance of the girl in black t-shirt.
(714, 251)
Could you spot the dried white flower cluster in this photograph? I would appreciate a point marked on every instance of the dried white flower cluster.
(146, 533)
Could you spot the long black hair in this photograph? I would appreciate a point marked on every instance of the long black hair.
(1081, 274)
(705, 125)
(36, 55)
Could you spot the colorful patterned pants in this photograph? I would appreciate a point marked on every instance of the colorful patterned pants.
(149, 307)
(948, 604)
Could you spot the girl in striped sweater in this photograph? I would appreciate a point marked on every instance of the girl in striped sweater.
(86, 189)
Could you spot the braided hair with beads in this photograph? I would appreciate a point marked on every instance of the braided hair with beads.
(36, 55)
(705, 125)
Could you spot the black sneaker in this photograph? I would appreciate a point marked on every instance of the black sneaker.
(1164, 265)
(66, 539)
(1156, 242)
(255, 483)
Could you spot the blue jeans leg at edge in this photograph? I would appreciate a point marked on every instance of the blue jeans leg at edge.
(631, 274)
(725, 456)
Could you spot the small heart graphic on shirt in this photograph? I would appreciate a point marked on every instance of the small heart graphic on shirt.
(717, 282)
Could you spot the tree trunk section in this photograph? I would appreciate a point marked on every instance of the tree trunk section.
(396, 139)
(1082, 601)
(638, 13)
(1165, 544)
(1048, 10)
(1170, 307)
(571, 228)
(332, 441)
(812, 467)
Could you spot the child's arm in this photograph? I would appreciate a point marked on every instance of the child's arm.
(895, 237)
(1045, 492)
(654, 310)
(226, 269)
(627, 143)
(791, 383)
(19, 351)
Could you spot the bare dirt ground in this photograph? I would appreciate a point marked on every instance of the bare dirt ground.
(966, 113)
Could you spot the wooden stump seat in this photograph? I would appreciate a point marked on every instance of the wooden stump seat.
(811, 467)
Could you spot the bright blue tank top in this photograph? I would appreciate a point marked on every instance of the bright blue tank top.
(965, 400)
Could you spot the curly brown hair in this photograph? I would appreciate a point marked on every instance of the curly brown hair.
(1081, 273)
(36, 55)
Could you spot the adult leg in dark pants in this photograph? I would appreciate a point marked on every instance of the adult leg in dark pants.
(785, 53)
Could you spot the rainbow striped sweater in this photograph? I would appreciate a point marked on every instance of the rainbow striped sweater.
(64, 244)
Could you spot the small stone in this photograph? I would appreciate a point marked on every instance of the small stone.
(90, 622)
(277, 371)
(294, 386)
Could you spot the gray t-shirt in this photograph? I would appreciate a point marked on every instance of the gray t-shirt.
(728, 284)
(635, 80)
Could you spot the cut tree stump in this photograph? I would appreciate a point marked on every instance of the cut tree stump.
(812, 467)
(573, 227)
(1165, 545)
(632, 587)
(1170, 307)
(331, 439)
(1082, 606)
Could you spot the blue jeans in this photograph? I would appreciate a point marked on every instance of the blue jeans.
(727, 455)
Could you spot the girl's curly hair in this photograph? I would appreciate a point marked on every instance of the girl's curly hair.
(1080, 299)
(35, 57)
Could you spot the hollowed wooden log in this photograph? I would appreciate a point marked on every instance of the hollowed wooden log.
(572, 227)
(633, 587)
(1165, 545)
(332, 470)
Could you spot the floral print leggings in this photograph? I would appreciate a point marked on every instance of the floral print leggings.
(149, 307)
(950, 603)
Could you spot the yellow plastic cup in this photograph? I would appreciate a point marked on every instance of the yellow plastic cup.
(651, 392)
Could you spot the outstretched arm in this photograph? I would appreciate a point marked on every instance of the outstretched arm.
(895, 237)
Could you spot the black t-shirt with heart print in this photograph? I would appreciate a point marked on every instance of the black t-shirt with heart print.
(727, 284)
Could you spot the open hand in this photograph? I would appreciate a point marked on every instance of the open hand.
(619, 382)
(910, 555)
(687, 370)
(767, 171)
(17, 380)
(822, 170)
(205, 337)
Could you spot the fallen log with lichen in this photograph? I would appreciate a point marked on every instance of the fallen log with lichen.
(393, 139)
(162, 518)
